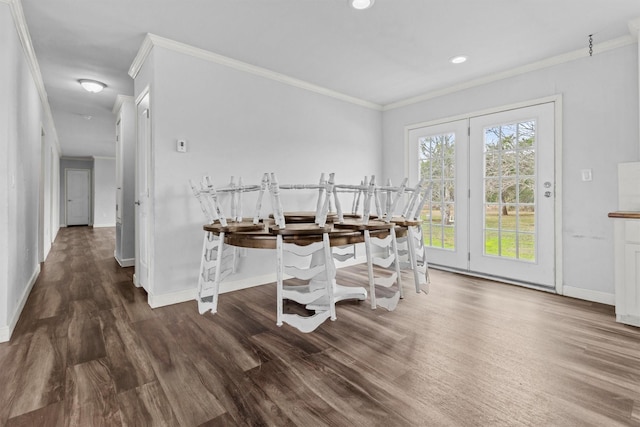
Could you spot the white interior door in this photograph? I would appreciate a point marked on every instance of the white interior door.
(442, 160)
(78, 196)
(118, 172)
(143, 154)
(512, 195)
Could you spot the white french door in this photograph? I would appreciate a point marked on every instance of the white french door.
(512, 187)
(492, 206)
(442, 159)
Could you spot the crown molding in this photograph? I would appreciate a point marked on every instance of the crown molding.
(153, 40)
(121, 99)
(534, 66)
(634, 27)
(141, 56)
(27, 45)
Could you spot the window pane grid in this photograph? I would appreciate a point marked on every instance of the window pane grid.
(509, 190)
(437, 167)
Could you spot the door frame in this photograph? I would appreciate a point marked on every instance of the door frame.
(66, 197)
(557, 101)
(148, 235)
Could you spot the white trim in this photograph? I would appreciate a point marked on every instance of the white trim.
(559, 266)
(162, 300)
(634, 27)
(628, 319)
(486, 111)
(7, 331)
(127, 262)
(120, 100)
(545, 63)
(589, 295)
(103, 157)
(104, 225)
(27, 45)
(153, 40)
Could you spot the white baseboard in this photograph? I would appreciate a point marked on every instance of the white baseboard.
(127, 262)
(589, 295)
(162, 300)
(7, 330)
(104, 225)
(628, 319)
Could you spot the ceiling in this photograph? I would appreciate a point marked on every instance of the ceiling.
(396, 50)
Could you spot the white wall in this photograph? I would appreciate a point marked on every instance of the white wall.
(22, 121)
(600, 130)
(104, 192)
(239, 124)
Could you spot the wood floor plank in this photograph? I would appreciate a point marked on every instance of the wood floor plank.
(129, 363)
(85, 339)
(146, 405)
(11, 359)
(90, 398)
(191, 399)
(40, 380)
(50, 416)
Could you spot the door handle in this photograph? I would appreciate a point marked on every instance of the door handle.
(137, 202)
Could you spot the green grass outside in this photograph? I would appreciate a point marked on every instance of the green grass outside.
(504, 244)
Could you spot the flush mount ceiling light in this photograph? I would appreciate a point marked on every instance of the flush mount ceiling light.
(361, 4)
(458, 59)
(92, 86)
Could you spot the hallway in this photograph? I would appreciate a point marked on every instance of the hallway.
(88, 351)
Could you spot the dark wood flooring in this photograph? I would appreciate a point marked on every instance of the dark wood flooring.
(89, 351)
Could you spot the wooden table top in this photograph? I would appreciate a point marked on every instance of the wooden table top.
(624, 214)
(247, 235)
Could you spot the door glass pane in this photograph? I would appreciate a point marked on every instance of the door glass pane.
(437, 167)
(509, 190)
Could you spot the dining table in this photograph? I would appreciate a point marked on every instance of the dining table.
(301, 230)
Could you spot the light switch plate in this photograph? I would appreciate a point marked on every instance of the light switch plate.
(586, 174)
(181, 146)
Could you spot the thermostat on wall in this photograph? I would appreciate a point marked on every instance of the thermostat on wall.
(181, 146)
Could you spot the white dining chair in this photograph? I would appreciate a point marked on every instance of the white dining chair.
(303, 251)
(411, 248)
(218, 260)
(385, 286)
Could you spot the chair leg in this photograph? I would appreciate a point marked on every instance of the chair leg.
(389, 301)
(372, 285)
(207, 294)
(420, 264)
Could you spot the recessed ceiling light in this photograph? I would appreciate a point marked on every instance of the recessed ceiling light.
(458, 59)
(361, 4)
(92, 86)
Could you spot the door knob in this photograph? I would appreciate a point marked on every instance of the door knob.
(137, 202)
